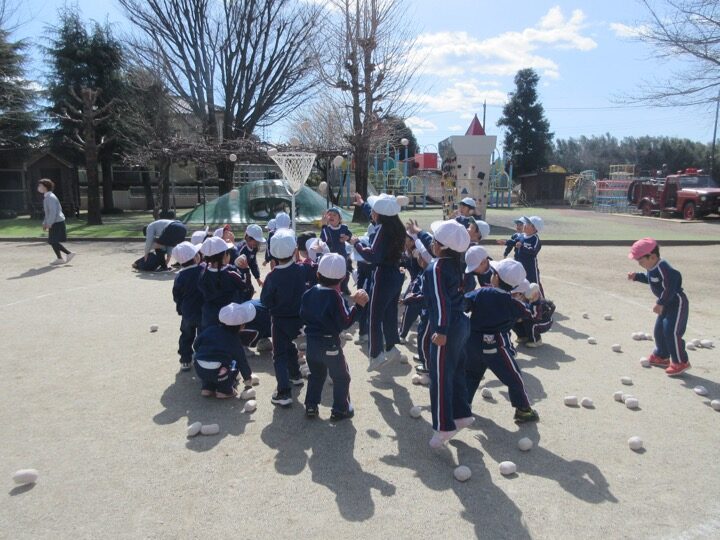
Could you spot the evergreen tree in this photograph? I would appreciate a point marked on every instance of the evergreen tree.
(528, 140)
(80, 59)
(17, 119)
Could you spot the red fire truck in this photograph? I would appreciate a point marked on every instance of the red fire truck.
(691, 193)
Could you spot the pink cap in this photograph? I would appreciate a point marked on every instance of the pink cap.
(642, 247)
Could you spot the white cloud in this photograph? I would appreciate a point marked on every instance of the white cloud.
(464, 98)
(452, 54)
(624, 31)
(456, 127)
(420, 125)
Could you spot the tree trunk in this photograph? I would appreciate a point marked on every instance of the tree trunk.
(147, 189)
(225, 170)
(94, 216)
(164, 166)
(361, 178)
(107, 184)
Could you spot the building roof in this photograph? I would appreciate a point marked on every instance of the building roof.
(475, 128)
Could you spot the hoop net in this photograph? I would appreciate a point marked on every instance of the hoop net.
(296, 167)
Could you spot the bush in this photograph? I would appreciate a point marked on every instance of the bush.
(8, 214)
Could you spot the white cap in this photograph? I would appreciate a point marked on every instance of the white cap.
(255, 232)
(451, 234)
(219, 232)
(332, 266)
(510, 271)
(483, 228)
(214, 245)
(535, 221)
(468, 201)
(282, 221)
(473, 257)
(371, 200)
(237, 314)
(185, 251)
(198, 237)
(271, 225)
(283, 243)
(386, 205)
(533, 290)
(315, 247)
(523, 288)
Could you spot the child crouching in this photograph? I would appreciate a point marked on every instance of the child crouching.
(325, 314)
(529, 330)
(219, 353)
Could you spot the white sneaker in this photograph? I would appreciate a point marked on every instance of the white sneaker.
(534, 344)
(377, 362)
(393, 354)
(362, 338)
(441, 438)
(403, 341)
(462, 423)
(57, 262)
(69, 257)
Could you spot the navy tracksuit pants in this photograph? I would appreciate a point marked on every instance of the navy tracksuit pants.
(383, 312)
(423, 341)
(448, 390)
(285, 354)
(223, 379)
(494, 351)
(670, 327)
(532, 330)
(188, 333)
(325, 356)
(410, 315)
(364, 282)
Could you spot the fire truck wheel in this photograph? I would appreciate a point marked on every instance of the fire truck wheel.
(689, 211)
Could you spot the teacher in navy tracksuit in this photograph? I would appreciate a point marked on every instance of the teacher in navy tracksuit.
(384, 254)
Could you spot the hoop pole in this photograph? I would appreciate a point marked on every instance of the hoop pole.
(292, 215)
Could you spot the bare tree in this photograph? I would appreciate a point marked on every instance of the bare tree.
(688, 30)
(85, 113)
(368, 43)
(238, 64)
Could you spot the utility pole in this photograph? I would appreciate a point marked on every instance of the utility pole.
(485, 108)
(712, 152)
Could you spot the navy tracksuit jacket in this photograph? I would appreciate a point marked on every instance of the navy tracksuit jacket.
(527, 256)
(220, 287)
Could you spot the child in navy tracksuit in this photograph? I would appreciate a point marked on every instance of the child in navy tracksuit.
(412, 310)
(249, 249)
(493, 313)
(384, 254)
(449, 329)
(671, 306)
(220, 284)
(529, 331)
(528, 246)
(282, 293)
(336, 234)
(511, 244)
(188, 298)
(270, 228)
(325, 314)
(219, 353)
(415, 298)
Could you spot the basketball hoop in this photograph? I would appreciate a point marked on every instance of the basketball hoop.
(296, 167)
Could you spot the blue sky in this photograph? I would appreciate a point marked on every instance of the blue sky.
(469, 50)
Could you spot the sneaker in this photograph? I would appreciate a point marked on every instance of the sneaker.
(362, 339)
(658, 361)
(403, 341)
(462, 423)
(677, 368)
(69, 257)
(185, 366)
(57, 262)
(440, 438)
(337, 415)
(311, 411)
(282, 398)
(521, 340)
(297, 380)
(526, 415)
(534, 344)
(222, 395)
(416, 357)
(377, 362)
(393, 354)
(207, 393)
(421, 369)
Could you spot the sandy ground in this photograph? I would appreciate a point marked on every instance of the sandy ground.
(94, 401)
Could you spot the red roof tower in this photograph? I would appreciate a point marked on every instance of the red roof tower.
(475, 128)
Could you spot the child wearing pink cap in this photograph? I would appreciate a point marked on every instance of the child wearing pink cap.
(671, 306)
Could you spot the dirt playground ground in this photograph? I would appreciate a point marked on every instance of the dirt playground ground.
(95, 402)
